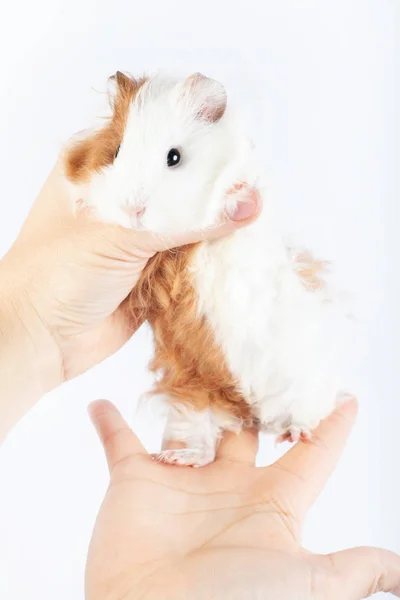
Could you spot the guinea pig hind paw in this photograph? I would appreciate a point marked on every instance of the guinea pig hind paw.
(294, 435)
(187, 457)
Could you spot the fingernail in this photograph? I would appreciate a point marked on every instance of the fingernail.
(245, 210)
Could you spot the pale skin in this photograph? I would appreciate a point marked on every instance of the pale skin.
(227, 531)
(63, 286)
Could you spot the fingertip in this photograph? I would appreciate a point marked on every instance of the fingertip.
(348, 403)
(247, 211)
(98, 408)
(106, 418)
(116, 437)
(338, 425)
(347, 407)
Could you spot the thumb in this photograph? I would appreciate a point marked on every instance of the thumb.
(247, 210)
(119, 441)
(361, 572)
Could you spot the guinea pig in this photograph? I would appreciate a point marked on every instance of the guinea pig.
(239, 323)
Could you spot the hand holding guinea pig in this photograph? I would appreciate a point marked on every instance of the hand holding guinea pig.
(63, 290)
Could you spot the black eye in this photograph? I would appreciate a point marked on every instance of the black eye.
(173, 157)
(117, 152)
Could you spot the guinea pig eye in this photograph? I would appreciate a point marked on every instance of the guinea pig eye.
(173, 157)
(117, 152)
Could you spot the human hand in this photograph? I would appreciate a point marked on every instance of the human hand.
(227, 531)
(63, 284)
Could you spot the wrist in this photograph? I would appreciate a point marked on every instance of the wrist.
(30, 363)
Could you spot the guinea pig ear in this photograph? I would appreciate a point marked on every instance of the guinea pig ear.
(205, 96)
(119, 85)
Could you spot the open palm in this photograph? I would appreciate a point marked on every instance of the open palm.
(227, 531)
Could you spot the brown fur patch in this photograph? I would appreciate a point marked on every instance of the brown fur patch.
(98, 150)
(189, 364)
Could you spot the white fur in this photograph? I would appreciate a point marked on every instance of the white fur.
(200, 431)
(272, 330)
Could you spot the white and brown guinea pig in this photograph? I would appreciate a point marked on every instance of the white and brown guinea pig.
(239, 322)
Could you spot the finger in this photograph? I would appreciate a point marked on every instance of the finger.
(240, 447)
(116, 330)
(52, 207)
(361, 572)
(246, 213)
(308, 465)
(108, 337)
(119, 441)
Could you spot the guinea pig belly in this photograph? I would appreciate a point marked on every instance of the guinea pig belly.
(267, 319)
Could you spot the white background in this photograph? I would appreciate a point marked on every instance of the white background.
(318, 78)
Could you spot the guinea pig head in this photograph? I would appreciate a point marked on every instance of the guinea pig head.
(156, 162)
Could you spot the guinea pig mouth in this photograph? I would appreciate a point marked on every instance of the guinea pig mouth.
(134, 213)
(140, 212)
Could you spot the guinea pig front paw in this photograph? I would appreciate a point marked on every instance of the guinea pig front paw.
(188, 457)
